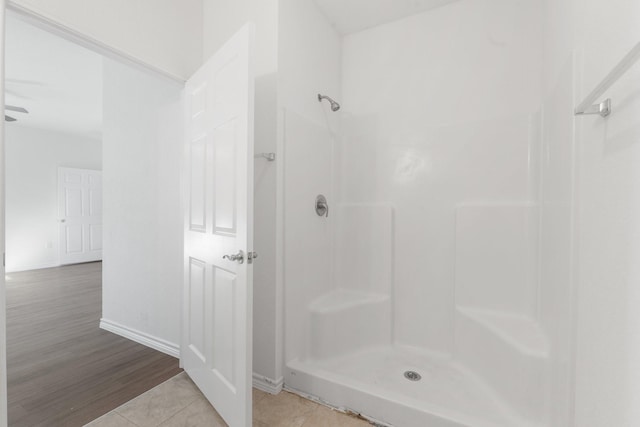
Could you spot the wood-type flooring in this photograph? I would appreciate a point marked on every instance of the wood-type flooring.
(63, 370)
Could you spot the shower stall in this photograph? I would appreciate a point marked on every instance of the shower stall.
(436, 289)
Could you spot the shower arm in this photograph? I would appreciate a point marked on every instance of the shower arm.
(334, 105)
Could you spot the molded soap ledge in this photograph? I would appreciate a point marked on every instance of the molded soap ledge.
(509, 352)
(344, 321)
(521, 332)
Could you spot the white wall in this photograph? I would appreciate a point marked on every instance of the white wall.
(309, 63)
(608, 222)
(222, 18)
(590, 187)
(33, 157)
(164, 33)
(142, 148)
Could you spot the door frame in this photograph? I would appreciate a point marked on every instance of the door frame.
(3, 300)
(56, 28)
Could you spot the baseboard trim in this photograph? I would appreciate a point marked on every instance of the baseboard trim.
(267, 384)
(19, 268)
(141, 337)
(260, 382)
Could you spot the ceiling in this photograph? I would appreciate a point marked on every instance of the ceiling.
(350, 16)
(58, 82)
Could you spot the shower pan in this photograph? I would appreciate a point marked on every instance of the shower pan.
(423, 299)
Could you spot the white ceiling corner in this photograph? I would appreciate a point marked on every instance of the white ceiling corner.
(350, 16)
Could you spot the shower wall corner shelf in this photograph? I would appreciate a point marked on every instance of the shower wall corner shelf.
(589, 105)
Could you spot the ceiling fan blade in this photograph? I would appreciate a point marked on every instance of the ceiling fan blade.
(16, 94)
(14, 108)
(9, 119)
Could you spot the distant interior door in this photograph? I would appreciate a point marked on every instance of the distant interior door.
(217, 299)
(80, 215)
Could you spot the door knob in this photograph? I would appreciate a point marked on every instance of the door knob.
(239, 257)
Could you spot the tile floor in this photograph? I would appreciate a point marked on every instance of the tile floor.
(178, 403)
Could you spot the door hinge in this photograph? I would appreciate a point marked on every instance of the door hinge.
(4, 259)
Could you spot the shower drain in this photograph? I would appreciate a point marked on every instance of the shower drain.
(412, 376)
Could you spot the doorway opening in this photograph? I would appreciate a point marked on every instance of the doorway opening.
(87, 125)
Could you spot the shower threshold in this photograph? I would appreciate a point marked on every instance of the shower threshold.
(372, 383)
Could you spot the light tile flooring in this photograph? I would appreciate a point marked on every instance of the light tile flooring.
(178, 403)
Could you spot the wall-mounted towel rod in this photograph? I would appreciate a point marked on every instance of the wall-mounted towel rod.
(604, 108)
(269, 156)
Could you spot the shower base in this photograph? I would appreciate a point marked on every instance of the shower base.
(372, 383)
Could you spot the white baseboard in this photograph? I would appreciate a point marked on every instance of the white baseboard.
(260, 382)
(29, 267)
(18, 268)
(141, 337)
(267, 384)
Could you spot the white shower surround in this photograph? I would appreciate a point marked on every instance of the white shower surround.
(430, 259)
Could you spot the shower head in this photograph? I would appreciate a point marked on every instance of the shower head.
(334, 105)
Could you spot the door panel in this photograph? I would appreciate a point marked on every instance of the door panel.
(224, 350)
(74, 239)
(95, 237)
(217, 302)
(225, 178)
(198, 163)
(197, 310)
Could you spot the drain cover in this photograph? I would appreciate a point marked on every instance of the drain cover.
(412, 376)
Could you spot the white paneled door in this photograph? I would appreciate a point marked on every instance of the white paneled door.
(80, 215)
(217, 300)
